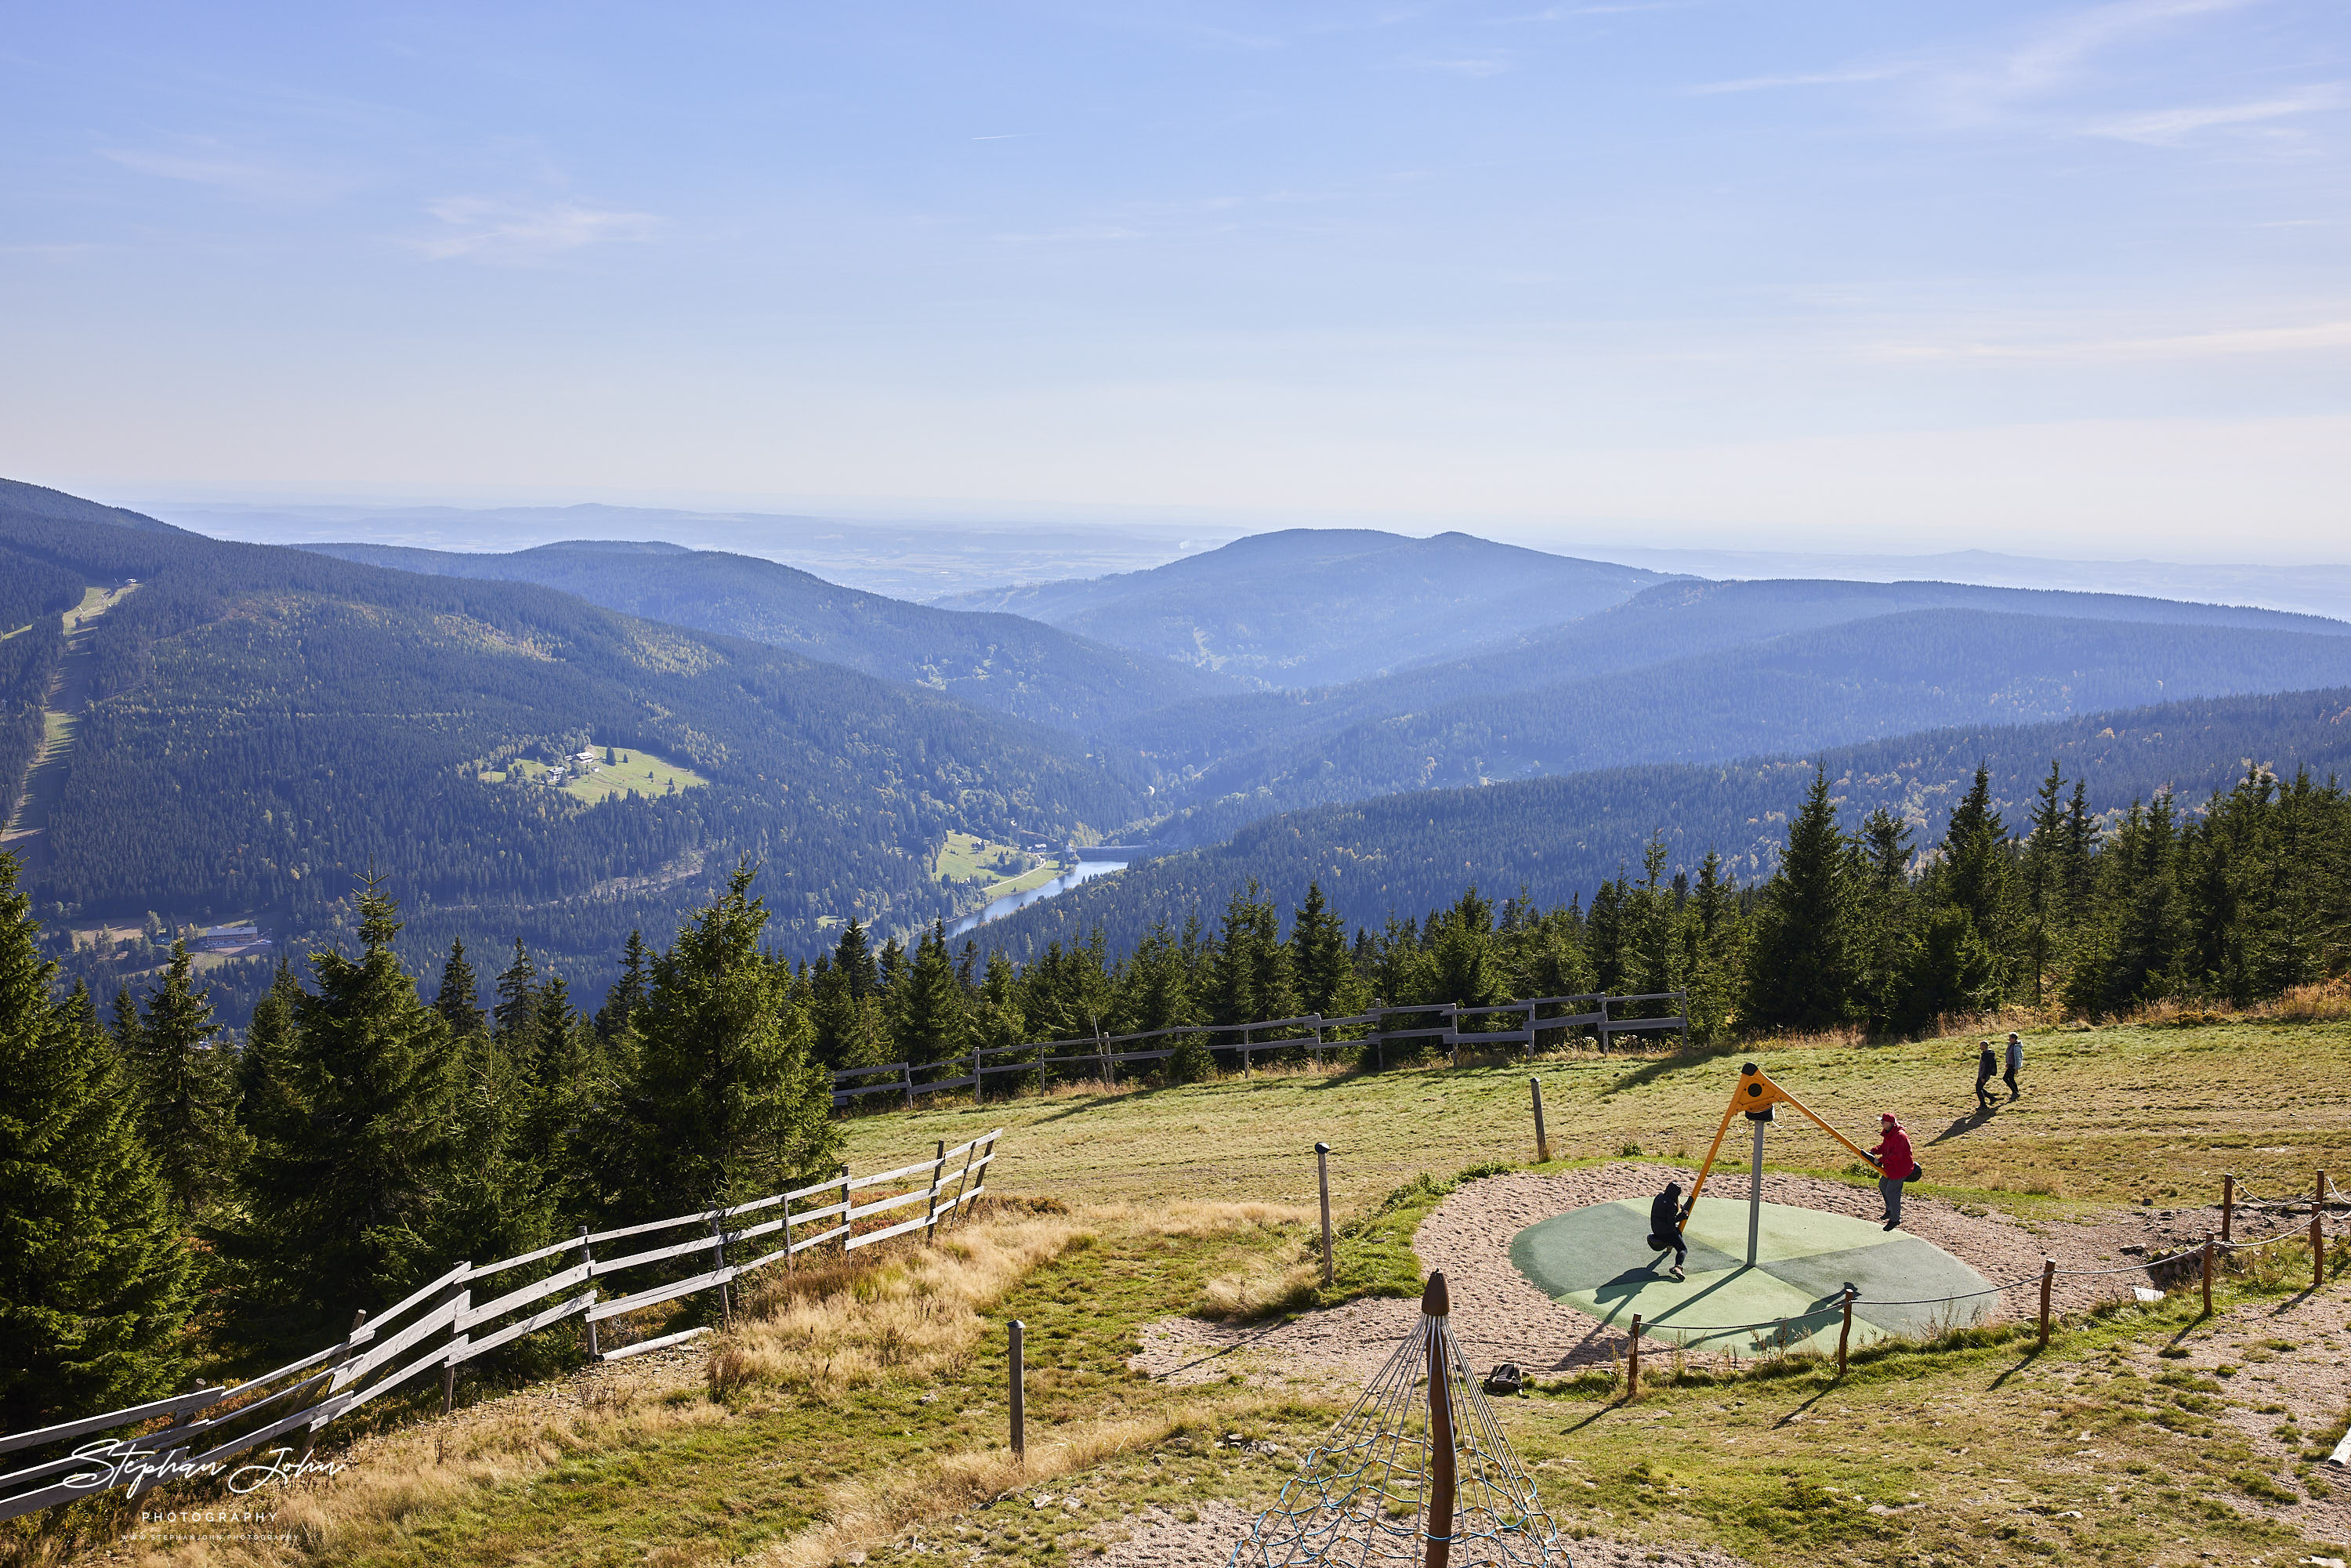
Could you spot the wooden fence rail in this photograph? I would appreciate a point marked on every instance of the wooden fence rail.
(1101, 1053)
(437, 1327)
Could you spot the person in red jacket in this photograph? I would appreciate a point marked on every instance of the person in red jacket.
(1893, 1165)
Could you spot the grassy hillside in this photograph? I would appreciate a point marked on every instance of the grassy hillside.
(265, 724)
(1307, 607)
(1559, 837)
(1836, 686)
(1004, 663)
(860, 1415)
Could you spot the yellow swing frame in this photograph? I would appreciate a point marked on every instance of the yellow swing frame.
(1756, 1093)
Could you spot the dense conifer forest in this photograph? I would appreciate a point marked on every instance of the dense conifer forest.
(359, 1136)
(1001, 663)
(264, 724)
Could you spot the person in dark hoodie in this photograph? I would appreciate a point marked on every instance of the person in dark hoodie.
(1987, 1065)
(1665, 1226)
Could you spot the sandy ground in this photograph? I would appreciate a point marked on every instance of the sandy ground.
(1158, 1538)
(1499, 1316)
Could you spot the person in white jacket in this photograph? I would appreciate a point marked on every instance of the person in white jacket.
(2016, 1064)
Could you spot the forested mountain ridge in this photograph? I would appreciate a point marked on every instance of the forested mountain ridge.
(1673, 620)
(1891, 675)
(1559, 837)
(1307, 607)
(265, 724)
(1006, 663)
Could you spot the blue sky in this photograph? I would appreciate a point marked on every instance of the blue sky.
(2073, 279)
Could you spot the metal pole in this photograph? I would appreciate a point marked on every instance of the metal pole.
(1542, 1143)
(1323, 1175)
(1755, 1195)
(1019, 1391)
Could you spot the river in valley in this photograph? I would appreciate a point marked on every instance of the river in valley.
(1084, 871)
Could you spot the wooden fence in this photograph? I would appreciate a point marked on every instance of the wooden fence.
(1102, 1056)
(441, 1326)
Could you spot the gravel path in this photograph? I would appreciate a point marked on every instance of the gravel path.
(1158, 1538)
(1499, 1316)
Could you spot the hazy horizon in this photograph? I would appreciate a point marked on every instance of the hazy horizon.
(2023, 277)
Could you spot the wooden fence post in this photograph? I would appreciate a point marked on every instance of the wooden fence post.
(2048, 1283)
(588, 1257)
(2317, 1252)
(1844, 1330)
(718, 1252)
(847, 1204)
(976, 1080)
(1542, 1142)
(1632, 1362)
(459, 1296)
(1019, 1392)
(790, 1262)
(910, 1085)
(1379, 1037)
(164, 1452)
(2228, 1207)
(931, 1217)
(1323, 1175)
(2207, 1275)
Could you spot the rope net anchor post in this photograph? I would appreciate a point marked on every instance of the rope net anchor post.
(1417, 1473)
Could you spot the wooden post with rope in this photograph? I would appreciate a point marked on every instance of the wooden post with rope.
(1844, 1330)
(2207, 1275)
(1435, 1303)
(1542, 1143)
(2228, 1207)
(1632, 1362)
(2048, 1282)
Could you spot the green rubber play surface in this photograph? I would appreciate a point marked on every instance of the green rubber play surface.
(1597, 1260)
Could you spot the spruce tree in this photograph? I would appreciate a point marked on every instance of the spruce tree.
(352, 1143)
(514, 1018)
(628, 993)
(187, 1092)
(459, 1001)
(1799, 973)
(927, 1006)
(725, 1099)
(94, 1275)
(1318, 955)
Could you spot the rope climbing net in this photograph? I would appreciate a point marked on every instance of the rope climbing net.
(1417, 1472)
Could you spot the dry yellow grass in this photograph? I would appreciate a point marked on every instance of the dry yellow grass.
(432, 1469)
(914, 1312)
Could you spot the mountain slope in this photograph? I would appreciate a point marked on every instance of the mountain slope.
(1557, 838)
(1306, 607)
(1006, 663)
(265, 724)
(1886, 675)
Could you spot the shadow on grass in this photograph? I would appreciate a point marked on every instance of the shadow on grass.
(1676, 1061)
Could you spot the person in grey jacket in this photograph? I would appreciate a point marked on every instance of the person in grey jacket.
(2016, 1064)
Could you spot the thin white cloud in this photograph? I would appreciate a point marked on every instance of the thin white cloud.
(475, 228)
(1809, 79)
(2056, 54)
(2170, 127)
(2316, 335)
(221, 169)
